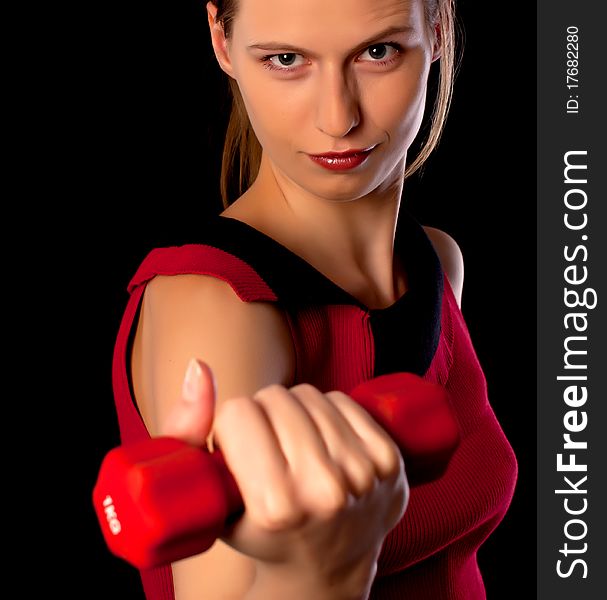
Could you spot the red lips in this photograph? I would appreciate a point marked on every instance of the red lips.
(340, 161)
(344, 153)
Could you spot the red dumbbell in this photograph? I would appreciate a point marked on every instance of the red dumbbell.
(162, 500)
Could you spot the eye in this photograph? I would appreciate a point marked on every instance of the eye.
(285, 61)
(383, 53)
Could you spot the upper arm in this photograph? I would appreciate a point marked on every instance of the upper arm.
(451, 259)
(247, 345)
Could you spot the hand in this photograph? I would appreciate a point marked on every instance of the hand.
(322, 483)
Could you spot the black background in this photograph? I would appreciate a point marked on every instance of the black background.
(137, 115)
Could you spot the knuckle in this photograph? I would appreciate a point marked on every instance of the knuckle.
(365, 475)
(229, 408)
(389, 460)
(272, 389)
(227, 419)
(329, 496)
(279, 511)
(278, 521)
(305, 388)
(337, 396)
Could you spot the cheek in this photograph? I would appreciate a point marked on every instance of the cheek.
(402, 111)
(396, 103)
(272, 115)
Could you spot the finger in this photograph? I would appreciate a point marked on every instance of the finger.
(380, 447)
(254, 457)
(321, 484)
(344, 446)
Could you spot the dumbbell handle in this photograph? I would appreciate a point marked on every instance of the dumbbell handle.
(162, 500)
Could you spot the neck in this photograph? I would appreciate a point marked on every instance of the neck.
(351, 241)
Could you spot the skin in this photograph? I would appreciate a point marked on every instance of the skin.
(343, 223)
(317, 511)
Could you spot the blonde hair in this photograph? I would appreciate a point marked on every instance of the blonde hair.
(242, 150)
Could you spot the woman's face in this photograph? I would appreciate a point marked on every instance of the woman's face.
(319, 76)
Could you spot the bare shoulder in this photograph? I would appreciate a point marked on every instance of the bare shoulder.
(451, 258)
(247, 344)
(215, 301)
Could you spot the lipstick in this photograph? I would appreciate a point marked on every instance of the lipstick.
(342, 161)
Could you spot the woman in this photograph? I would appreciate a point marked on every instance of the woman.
(314, 279)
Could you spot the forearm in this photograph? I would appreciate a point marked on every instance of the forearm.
(278, 583)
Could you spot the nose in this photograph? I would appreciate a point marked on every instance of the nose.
(338, 106)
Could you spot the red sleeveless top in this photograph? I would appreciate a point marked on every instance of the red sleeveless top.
(432, 553)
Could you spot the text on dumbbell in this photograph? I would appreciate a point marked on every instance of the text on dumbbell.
(111, 516)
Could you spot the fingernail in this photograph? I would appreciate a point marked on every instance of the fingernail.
(192, 381)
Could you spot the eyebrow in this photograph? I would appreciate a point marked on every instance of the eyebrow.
(280, 46)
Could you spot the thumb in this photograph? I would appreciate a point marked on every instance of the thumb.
(191, 418)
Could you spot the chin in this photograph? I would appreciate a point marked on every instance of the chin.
(343, 191)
